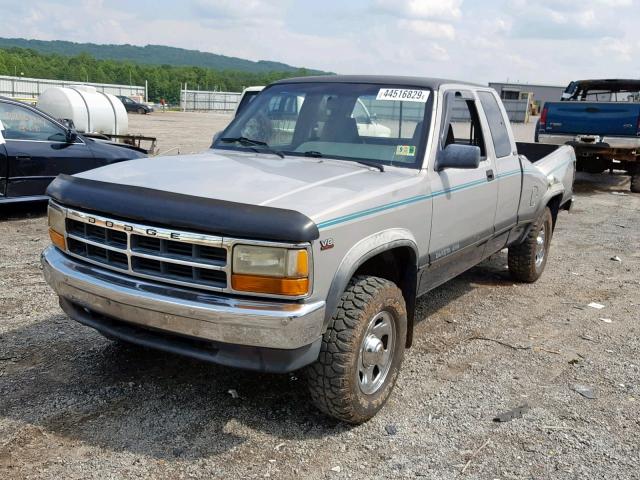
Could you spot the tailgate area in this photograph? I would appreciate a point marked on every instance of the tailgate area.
(593, 118)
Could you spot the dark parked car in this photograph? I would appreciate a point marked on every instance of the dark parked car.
(131, 105)
(35, 148)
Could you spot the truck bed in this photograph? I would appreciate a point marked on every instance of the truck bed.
(535, 151)
(555, 161)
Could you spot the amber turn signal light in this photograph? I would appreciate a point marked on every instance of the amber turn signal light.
(275, 286)
(57, 239)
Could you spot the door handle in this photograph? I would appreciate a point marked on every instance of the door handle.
(490, 175)
(23, 157)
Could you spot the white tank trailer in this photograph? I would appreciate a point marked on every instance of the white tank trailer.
(91, 111)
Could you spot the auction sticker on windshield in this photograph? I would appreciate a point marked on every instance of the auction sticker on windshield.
(403, 95)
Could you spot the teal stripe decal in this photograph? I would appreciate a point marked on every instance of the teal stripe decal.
(407, 201)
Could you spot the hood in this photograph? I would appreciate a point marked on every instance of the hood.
(318, 188)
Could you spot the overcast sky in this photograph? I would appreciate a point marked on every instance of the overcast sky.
(541, 41)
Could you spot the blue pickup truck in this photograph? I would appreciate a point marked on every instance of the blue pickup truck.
(600, 119)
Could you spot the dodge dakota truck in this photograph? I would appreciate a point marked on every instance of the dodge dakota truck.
(601, 120)
(309, 251)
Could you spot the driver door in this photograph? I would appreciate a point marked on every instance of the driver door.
(36, 151)
(464, 200)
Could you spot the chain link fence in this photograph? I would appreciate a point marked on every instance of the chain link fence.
(205, 101)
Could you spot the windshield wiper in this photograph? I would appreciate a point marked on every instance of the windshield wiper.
(248, 142)
(366, 163)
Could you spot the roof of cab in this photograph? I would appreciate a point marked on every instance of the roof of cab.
(609, 83)
(419, 82)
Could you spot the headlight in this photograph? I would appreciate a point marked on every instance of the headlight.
(272, 270)
(56, 226)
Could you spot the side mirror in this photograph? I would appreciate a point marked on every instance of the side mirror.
(459, 156)
(216, 136)
(71, 135)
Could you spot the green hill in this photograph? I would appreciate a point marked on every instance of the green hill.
(165, 81)
(151, 55)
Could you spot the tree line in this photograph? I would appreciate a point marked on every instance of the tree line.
(165, 81)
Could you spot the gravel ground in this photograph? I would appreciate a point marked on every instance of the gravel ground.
(179, 132)
(75, 405)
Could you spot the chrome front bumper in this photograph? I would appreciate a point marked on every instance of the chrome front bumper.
(181, 311)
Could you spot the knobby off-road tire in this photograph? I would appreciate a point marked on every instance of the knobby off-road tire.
(369, 326)
(528, 259)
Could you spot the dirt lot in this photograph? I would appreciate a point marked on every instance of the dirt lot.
(179, 132)
(75, 405)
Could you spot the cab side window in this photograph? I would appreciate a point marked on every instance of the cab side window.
(462, 122)
(497, 124)
(21, 123)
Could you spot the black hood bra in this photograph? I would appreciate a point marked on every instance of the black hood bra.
(174, 210)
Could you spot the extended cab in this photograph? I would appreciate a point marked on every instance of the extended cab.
(601, 120)
(278, 250)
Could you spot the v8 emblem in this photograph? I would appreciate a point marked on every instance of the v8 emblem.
(326, 244)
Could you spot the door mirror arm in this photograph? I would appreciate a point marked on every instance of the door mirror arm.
(71, 135)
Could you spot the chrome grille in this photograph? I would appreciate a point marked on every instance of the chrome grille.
(175, 257)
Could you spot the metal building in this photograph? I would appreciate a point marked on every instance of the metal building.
(29, 89)
(541, 93)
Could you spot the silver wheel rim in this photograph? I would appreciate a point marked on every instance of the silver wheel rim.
(376, 353)
(540, 246)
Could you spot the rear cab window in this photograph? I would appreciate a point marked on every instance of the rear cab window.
(497, 124)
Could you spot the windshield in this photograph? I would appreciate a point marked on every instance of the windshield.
(380, 123)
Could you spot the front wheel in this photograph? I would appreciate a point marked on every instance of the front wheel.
(361, 352)
(528, 259)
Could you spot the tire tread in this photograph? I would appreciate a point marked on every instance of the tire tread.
(328, 385)
(521, 257)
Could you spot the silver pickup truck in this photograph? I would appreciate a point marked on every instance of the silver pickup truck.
(297, 241)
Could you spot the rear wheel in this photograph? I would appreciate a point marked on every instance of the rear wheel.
(528, 259)
(361, 352)
(634, 170)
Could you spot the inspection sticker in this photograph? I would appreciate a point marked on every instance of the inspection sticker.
(403, 95)
(406, 150)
